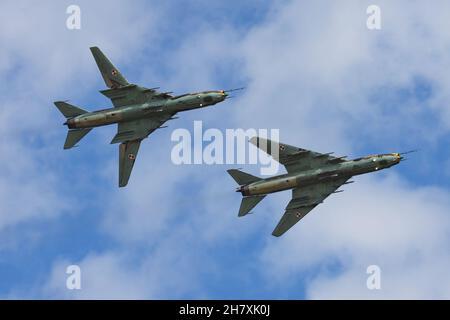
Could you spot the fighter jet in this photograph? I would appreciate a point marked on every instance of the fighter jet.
(312, 176)
(138, 111)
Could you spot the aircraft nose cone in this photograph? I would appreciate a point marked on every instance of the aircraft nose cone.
(222, 95)
(397, 157)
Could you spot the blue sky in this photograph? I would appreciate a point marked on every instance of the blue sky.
(312, 69)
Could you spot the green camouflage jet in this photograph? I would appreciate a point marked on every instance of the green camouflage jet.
(312, 177)
(138, 111)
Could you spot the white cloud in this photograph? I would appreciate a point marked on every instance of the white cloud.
(105, 276)
(329, 75)
(313, 70)
(42, 61)
(383, 222)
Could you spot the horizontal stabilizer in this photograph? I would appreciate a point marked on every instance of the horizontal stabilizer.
(68, 110)
(242, 178)
(73, 136)
(248, 203)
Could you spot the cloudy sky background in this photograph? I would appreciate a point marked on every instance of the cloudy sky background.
(312, 69)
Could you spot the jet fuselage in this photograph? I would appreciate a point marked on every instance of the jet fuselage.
(344, 169)
(139, 111)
